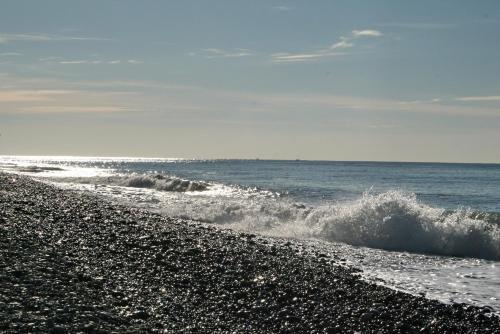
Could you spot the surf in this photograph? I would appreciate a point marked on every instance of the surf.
(393, 220)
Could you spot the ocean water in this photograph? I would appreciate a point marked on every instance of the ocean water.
(426, 228)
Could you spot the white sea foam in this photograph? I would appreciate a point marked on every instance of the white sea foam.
(396, 220)
(392, 220)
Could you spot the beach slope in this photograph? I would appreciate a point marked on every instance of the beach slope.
(71, 263)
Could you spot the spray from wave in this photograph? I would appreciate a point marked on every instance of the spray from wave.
(398, 221)
(393, 220)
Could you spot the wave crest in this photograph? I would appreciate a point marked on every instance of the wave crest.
(396, 220)
(159, 182)
(162, 183)
(392, 220)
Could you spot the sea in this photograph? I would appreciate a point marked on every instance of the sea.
(429, 229)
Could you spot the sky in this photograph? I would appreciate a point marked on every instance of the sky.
(320, 80)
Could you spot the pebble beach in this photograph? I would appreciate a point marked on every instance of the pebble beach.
(77, 263)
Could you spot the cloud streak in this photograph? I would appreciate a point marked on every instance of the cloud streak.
(211, 53)
(478, 98)
(74, 109)
(135, 61)
(60, 60)
(304, 57)
(337, 49)
(282, 8)
(63, 101)
(30, 95)
(10, 54)
(151, 96)
(6, 38)
(366, 33)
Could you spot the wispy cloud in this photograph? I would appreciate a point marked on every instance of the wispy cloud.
(152, 96)
(6, 38)
(366, 33)
(50, 59)
(10, 54)
(344, 43)
(54, 100)
(94, 61)
(223, 53)
(434, 100)
(478, 98)
(135, 61)
(432, 106)
(30, 95)
(284, 57)
(348, 41)
(74, 109)
(73, 62)
(282, 8)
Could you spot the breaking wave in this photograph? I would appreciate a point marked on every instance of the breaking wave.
(159, 182)
(398, 221)
(393, 220)
(163, 183)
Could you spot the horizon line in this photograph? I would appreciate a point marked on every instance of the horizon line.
(111, 157)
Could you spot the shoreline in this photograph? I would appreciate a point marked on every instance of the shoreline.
(74, 262)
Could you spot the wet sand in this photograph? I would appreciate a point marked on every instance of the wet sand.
(71, 262)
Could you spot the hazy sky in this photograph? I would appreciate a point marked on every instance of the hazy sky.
(335, 80)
